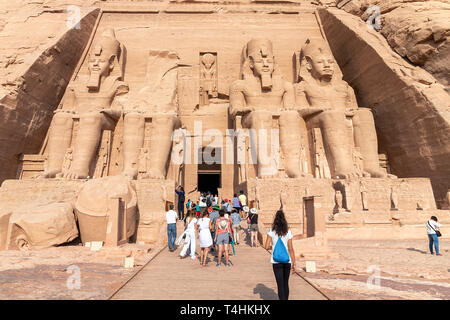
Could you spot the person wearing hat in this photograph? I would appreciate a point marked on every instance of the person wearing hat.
(253, 216)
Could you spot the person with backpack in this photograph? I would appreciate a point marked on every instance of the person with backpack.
(202, 206)
(433, 233)
(242, 199)
(222, 237)
(279, 238)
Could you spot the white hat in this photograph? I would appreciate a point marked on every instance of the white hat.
(253, 210)
(245, 209)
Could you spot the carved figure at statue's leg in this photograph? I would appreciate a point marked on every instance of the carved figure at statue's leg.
(88, 139)
(261, 123)
(290, 141)
(160, 144)
(60, 137)
(366, 139)
(133, 140)
(334, 132)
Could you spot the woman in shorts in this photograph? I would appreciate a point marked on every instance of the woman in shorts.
(222, 237)
(253, 217)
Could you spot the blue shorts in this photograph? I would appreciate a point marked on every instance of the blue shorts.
(223, 238)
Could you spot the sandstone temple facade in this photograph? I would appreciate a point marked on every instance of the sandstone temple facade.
(302, 105)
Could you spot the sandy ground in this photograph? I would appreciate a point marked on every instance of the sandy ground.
(68, 272)
(361, 270)
(383, 270)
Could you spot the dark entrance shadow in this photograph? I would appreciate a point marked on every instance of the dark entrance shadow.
(265, 293)
(417, 250)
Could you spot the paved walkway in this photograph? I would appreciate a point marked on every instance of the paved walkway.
(168, 277)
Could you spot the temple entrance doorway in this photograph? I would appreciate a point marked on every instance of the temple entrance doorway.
(209, 182)
(209, 171)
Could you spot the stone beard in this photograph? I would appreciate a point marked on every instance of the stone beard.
(260, 95)
(325, 102)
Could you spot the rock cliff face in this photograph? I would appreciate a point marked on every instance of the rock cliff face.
(410, 107)
(417, 30)
(39, 52)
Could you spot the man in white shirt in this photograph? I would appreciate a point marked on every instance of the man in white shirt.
(171, 219)
(432, 226)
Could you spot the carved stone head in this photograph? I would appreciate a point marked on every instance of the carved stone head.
(208, 60)
(317, 59)
(103, 58)
(258, 59)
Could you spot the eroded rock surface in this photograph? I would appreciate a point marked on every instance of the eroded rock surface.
(417, 30)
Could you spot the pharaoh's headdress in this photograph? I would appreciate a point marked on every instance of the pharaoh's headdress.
(254, 47)
(310, 50)
(108, 44)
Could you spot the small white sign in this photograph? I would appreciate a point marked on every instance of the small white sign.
(310, 266)
(129, 262)
(96, 245)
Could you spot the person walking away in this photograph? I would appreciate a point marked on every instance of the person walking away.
(213, 218)
(242, 199)
(215, 200)
(222, 238)
(209, 199)
(181, 198)
(279, 238)
(229, 207)
(188, 207)
(433, 233)
(189, 242)
(236, 203)
(236, 218)
(171, 219)
(224, 204)
(202, 205)
(253, 216)
(197, 209)
(204, 237)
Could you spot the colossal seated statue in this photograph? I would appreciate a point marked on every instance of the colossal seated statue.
(258, 96)
(95, 105)
(325, 101)
(157, 101)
